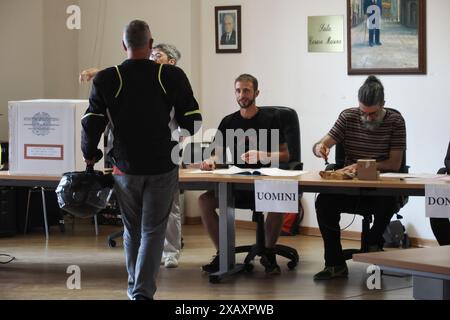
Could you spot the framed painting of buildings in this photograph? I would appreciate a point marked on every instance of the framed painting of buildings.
(386, 37)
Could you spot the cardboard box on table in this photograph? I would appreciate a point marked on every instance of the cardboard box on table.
(45, 137)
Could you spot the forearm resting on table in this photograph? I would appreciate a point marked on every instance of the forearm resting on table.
(393, 164)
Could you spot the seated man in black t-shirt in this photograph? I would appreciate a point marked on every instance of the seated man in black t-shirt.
(254, 139)
(441, 226)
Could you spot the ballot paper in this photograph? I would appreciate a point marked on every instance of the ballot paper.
(410, 175)
(272, 172)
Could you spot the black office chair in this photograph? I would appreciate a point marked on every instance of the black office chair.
(367, 217)
(291, 129)
(441, 226)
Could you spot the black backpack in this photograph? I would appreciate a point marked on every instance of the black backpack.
(395, 236)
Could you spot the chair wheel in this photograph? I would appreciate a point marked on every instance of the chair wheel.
(214, 279)
(292, 264)
(112, 243)
(249, 267)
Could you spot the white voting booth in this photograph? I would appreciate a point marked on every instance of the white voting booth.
(45, 137)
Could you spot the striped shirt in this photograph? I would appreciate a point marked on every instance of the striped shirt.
(361, 143)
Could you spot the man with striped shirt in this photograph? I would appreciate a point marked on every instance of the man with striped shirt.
(367, 132)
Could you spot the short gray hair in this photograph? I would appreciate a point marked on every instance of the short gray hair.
(170, 50)
(136, 34)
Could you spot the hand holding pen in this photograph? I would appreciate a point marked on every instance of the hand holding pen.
(322, 151)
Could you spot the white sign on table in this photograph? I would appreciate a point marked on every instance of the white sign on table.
(437, 201)
(276, 196)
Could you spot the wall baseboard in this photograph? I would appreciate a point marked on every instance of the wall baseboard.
(346, 235)
(248, 225)
(423, 243)
(190, 221)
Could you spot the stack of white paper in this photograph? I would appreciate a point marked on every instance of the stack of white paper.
(273, 172)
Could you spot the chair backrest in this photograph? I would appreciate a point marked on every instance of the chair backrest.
(447, 159)
(340, 154)
(291, 129)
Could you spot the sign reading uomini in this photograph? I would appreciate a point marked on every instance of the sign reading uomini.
(276, 196)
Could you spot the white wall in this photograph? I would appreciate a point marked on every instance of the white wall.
(60, 52)
(21, 54)
(103, 22)
(318, 87)
(38, 58)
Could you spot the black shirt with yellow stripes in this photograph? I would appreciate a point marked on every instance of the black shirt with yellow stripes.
(137, 98)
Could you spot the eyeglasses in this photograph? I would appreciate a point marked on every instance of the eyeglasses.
(155, 56)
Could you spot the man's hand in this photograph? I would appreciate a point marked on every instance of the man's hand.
(90, 163)
(322, 151)
(253, 156)
(208, 165)
(349, 169)
(88, 74)
(96, 158)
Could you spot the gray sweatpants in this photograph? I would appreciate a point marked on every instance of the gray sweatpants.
(172, 243)
(145, 203)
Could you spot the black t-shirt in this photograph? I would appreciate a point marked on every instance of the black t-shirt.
(262, 132)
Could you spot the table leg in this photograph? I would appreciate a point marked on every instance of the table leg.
(431, 288)
(226, 235)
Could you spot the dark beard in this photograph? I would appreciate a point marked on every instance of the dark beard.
(371, 125)
(245, 106)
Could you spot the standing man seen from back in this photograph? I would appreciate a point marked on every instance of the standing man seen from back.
(163, 54)
(137, 97)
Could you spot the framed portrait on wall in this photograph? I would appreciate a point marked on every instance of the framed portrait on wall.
(386, 37)
(228, 29)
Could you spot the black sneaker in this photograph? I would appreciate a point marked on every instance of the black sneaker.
(213, 266)
(332, 272)
(375, 248)
(269, 261)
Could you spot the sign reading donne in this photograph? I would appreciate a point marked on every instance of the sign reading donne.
(276, 196)
(437, 201)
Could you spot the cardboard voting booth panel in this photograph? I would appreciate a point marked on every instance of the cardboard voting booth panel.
(45, 137)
